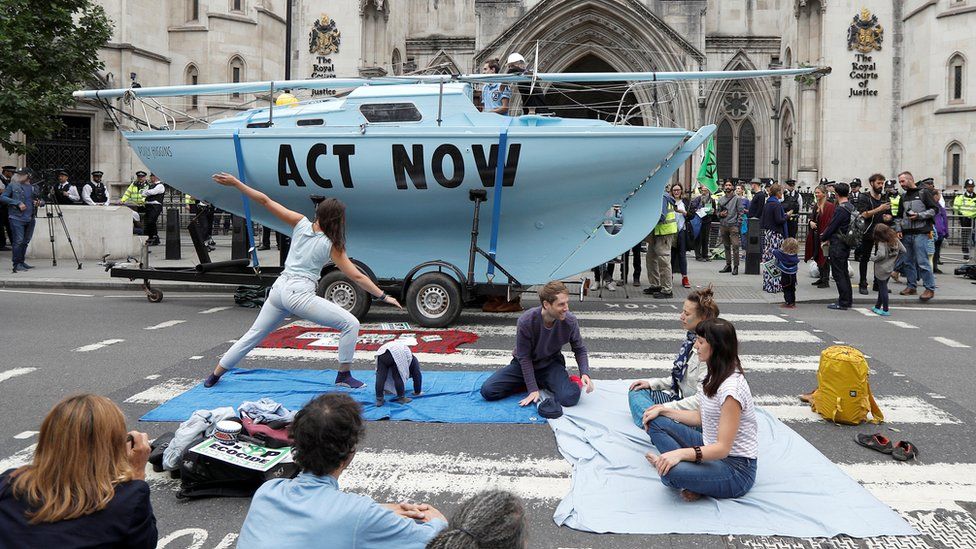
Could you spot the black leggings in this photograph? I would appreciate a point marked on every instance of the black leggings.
(882, 302)
(385, 365)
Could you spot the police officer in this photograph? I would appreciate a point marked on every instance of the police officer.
(94, 192)
(965, 207)
(5, 174)
(153, 193)
(67, 192)
(855, 190)
(894, 198)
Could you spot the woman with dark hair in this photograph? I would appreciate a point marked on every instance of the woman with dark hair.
(489, 520)
(820, 216)
(86, 485)
(311, 511)
(719, 461)
(774, 232)
(678, 389)
(313, 244)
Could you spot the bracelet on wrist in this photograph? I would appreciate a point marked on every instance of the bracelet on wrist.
(698, 454)
(381, 297)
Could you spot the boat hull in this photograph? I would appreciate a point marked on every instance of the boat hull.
(406, 189)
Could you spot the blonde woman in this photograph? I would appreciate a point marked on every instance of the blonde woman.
(86, 485)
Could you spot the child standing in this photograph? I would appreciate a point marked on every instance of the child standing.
(786, 262)
(887, 254)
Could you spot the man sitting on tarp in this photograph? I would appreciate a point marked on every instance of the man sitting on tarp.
(538, 361)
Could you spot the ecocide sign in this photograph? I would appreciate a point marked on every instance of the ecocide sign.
(243, 454)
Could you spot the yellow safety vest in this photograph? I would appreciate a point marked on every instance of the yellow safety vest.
(895, 202)
(965, 206)
(187, 199)
(133, 195)
(669, 225)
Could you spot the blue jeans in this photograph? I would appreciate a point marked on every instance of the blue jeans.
(20, 236)
(731, 477)
(549, 375)
(295, 295)
(643, 399)
(916, 263)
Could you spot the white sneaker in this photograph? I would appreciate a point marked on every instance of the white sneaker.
(611, 286)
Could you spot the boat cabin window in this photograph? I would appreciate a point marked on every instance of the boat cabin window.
(311, 122)
(390, 112)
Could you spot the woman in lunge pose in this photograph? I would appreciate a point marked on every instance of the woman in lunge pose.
(313, 244)
(720, 461)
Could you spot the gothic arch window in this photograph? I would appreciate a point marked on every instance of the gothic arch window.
(237, 72)
(788, 133)
(747, 150)
(788, 58)
(957, 79)
(724, 143)
(192, 79)
(954, 163)
(397, 62)
(237, 5)
(736, 102)
(374, 14)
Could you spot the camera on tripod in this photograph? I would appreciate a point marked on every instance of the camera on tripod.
(46, 185)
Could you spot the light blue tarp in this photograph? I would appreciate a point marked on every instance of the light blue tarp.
(798, 491)
(449, 397)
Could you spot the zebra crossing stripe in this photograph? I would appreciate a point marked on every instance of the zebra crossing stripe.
(158, 394)
(627, 316)
(14, 372)
(97, 346)
(896, 409)
(479, 358)
(21, 457)
(926, 487)
(166, 324)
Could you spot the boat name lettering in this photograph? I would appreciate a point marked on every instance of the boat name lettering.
(288, 167)
(154, 151)
(411, 164)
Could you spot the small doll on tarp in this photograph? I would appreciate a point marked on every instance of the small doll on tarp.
(395, 364)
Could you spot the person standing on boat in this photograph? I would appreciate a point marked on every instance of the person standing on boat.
(495, 96)
(538, 361)
(313, 244)
(532, 99)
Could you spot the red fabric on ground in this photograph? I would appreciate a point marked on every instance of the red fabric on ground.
(303, 337)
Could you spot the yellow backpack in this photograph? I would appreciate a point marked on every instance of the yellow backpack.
(843, 394)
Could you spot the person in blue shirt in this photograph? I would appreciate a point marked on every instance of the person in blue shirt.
(22, 202)
(313, 244)
(311, 511)
(495, 96)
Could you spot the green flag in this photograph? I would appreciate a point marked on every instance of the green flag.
(707, 173)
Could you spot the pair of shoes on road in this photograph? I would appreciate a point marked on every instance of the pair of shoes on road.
(838, 307)
(901, 450)
(880, 312)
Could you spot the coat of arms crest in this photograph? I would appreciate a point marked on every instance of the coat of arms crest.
(865, 34)
(325, 37)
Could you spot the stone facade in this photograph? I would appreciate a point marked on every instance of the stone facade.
(901, 95)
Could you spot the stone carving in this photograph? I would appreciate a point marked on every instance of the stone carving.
(865, 33)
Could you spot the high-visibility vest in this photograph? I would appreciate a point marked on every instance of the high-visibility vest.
(133, 195)
(895, 202)
(187, 199)
(669, 225)
(965, 206)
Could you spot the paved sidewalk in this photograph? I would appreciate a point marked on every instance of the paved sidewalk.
(728, 289)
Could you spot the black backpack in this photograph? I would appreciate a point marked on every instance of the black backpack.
(203, 476)
(856, 228)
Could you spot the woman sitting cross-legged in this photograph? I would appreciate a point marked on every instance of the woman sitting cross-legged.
(677, 391)
(720, 461)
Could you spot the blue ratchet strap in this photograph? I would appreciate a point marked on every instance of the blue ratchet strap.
(247, 203)
(496, 211)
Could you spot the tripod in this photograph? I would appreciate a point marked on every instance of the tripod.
(51, 210)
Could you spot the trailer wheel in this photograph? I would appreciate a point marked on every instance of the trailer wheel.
(155, 295)
(337, 288)
(434, 300)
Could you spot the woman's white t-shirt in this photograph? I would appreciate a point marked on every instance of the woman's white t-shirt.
(309, 251)
(746, 442)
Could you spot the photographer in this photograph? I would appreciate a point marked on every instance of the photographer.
(21, 199)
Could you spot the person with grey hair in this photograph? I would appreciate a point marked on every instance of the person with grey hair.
(488, 520)
(22, 201)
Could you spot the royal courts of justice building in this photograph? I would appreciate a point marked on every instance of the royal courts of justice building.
(901, 96)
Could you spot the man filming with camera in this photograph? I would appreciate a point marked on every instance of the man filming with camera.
(21, 199)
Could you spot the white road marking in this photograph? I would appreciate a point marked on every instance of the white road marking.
(905, 409)
(908, 487)
(142, 295)
(153, 376)
(865, 312)
(950, 342)
(214, 310)
(45, 293)
(25, 435)
(476, 358)
(901, 324)
(22, 457)
(942, 309)
(7, 374)
(166, 324)
(99, 345)
(166, 390)
(611, 315)
(196, 357)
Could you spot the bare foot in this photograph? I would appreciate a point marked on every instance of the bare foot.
(690, 496)
(651, 458)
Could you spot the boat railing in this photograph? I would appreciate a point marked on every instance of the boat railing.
(654, 103)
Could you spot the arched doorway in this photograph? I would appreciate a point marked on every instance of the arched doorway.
(599, 102)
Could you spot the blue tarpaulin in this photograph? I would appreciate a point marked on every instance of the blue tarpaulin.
(798, 491)
(448, 397)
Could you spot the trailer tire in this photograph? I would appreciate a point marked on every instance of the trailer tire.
(339, 289)
(155, 295)
(434, 300)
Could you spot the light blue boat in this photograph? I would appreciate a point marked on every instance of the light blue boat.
(403, 154)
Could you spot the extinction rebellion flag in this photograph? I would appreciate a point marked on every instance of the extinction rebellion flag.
(707, 173)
